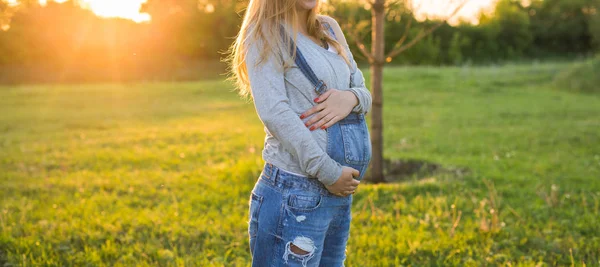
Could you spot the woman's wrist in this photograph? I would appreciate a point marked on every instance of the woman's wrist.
(353, 98)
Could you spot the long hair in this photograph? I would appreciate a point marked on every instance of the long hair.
(261, 23)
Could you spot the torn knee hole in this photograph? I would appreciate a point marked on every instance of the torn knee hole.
(301, 248)
(301, 245)
(297, 250)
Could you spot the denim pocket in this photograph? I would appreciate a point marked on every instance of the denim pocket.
(255, 204)
(355, 137)
(304, 203)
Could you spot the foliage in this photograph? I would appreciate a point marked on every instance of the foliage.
(552, 28)
(458, 43)
(159, 174)
(561, 26)
(512, 28)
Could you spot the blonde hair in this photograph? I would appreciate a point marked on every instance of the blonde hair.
(262, 24)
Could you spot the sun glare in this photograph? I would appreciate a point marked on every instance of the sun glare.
(442, 8)
(130, 9)
(127, 9)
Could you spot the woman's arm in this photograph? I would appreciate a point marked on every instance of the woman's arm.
(273, 108)
(359, 89)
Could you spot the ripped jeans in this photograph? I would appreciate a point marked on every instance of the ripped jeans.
(296, 221)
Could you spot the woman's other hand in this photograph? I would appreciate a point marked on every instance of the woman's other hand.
(345, 184)
(333, 106)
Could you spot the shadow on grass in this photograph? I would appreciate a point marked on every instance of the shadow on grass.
(416, 170)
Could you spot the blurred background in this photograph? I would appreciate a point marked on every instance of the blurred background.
(44, 41)
(122, 143)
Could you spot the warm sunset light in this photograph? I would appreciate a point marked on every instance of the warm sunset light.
(127, 9)
(441, 8)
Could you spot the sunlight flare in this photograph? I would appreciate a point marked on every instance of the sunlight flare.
(442, 8)
(129, 9)
(126, 9)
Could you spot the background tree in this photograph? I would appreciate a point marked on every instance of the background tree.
(382, 11)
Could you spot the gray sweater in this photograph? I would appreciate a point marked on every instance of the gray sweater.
(280, 98)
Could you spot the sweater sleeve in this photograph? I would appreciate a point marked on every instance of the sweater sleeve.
(358, 80)
(273, 107)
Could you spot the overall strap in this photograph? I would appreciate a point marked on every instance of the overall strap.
(353, 70)
(326, 24)
(320, 86)
(352, 117)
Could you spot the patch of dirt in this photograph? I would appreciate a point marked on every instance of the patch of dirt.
(404, 170)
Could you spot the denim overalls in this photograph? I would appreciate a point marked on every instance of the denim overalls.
(348, 140)
(289, 211)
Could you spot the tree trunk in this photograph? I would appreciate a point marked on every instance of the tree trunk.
(377, 50)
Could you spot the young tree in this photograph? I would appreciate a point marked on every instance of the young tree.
(377, 58)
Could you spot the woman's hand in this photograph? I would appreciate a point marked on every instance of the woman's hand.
(345, 184)
(333, 106)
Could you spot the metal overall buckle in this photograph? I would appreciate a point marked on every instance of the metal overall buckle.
(321, 87)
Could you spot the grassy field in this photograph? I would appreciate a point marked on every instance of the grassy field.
(159, 174)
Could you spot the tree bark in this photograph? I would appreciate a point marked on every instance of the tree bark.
(378, 60)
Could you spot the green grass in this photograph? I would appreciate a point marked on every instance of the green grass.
(581, 77)
(159, 174)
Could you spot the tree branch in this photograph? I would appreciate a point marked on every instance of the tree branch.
(361, 46)
(423, 33)
(405, 34)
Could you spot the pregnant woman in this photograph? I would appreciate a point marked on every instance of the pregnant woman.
(311, 98)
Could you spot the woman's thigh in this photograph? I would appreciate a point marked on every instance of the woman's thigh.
(288, 226)
(264, 214)
(336, 238)
(305, 219)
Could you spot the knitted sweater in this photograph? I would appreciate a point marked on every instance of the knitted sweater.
(281, 96)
